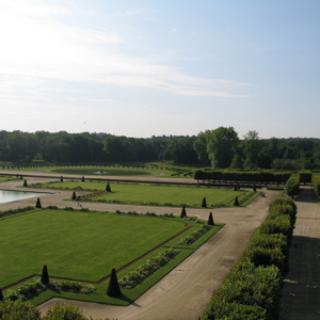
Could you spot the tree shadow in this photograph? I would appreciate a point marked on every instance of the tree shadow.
(306, 195)
(301, 291)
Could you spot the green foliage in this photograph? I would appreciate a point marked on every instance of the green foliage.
(292, 187)
(18, 310)
(135, 277)
(194, 236)
(64, 312)
(236, 202)
(222, 144)
(25, 183)
(234, 311)
(253, 288)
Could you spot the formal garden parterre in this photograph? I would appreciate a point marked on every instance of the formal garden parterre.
(80, 248)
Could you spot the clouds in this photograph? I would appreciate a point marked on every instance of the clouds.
(42, 48)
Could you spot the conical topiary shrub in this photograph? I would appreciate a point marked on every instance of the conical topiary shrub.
(74, 196)
(114, 287)
(108, 188)
(183, 213)
(1, 295)
(45, 276)
(25, 183)
(204, 202)
(38, 204)
(210, 220)
(61, 179)
(83, 179)
(236, 202)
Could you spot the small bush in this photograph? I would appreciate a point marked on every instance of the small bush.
(210, 220)
(204, 203)
(292, 187)
(183, 213)
(64, 312)
(38, 204)
(114, 287)
(45, 280)
(18, 310)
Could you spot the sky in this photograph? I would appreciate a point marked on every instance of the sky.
(150, 67)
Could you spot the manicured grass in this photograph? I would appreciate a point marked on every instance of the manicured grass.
(86, 245)
(153, 194)
(157, 169)
(106, 171)
(6, 179)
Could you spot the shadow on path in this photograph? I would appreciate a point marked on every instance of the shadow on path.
(301, 292)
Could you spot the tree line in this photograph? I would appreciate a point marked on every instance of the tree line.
(218, 148)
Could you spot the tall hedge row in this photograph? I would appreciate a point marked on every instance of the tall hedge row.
(252, 290)
(243, 176)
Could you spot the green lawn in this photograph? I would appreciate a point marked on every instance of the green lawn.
(157, 169)
(86, 245)
(155, 194)
(6, 179)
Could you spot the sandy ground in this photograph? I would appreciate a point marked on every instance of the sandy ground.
(186, 291)
(301, 294)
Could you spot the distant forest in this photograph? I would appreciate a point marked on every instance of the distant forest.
(219, 148)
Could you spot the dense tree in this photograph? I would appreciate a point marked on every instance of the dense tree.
(222, 145)
(1, 295)
(210, 220)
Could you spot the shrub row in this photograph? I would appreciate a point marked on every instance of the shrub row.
(252, 290)
(243, 176)
(133, 278)
(19, 310)
(194, 236)
(292, 187)
(33, 289)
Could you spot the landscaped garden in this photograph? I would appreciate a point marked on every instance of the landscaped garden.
(80, 248)
(156, 194)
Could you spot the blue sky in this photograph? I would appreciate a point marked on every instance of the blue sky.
(143, 68)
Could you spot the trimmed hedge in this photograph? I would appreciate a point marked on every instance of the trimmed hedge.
(33, 289)
(292, 187)
(252, 290)
(261, 176)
